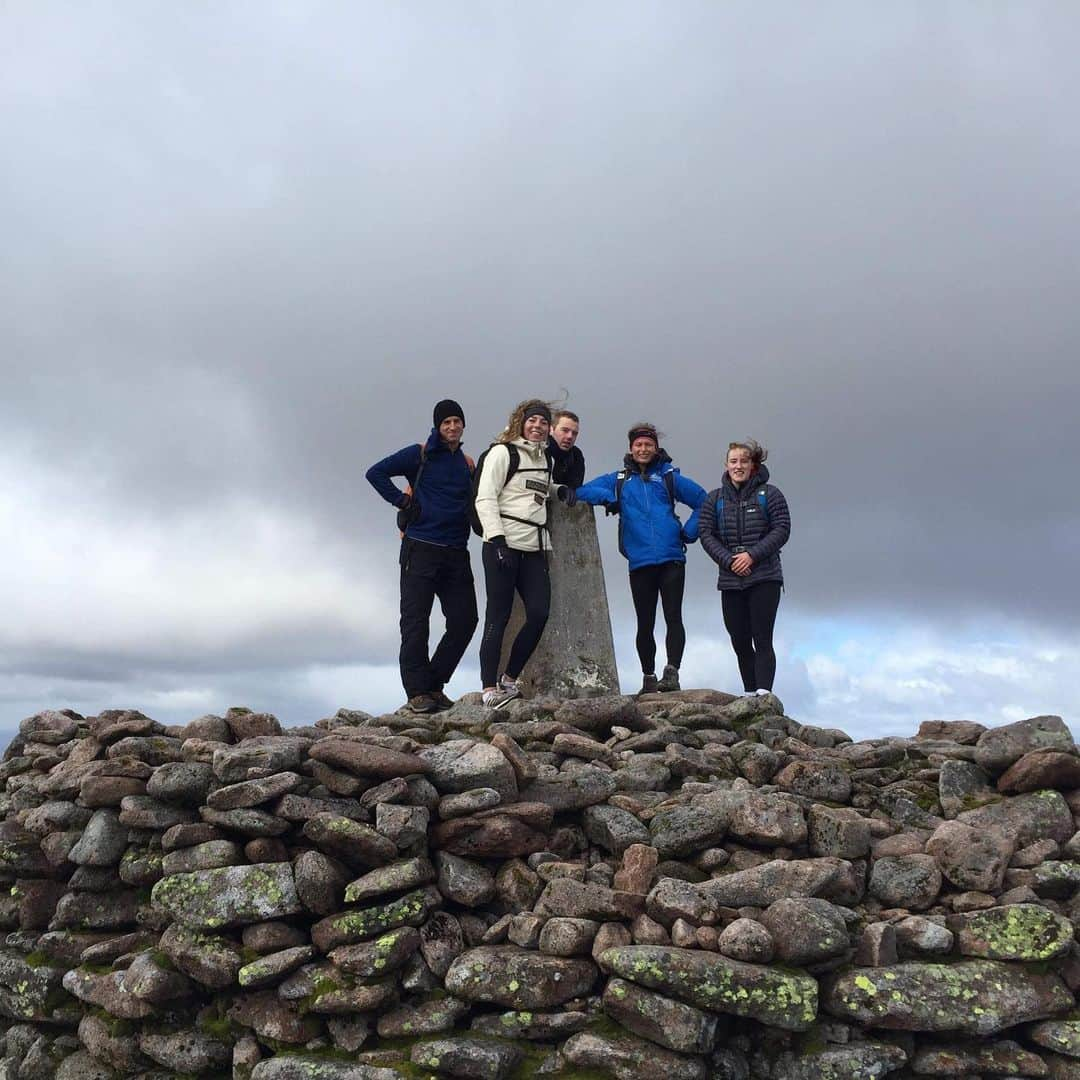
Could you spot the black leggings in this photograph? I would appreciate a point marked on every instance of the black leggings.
(749, 615)
(664, 581)
(528, 574)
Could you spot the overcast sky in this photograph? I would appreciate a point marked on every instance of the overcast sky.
(246, 246)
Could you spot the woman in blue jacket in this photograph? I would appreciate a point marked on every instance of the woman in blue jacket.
(653, 540)
(744, 524)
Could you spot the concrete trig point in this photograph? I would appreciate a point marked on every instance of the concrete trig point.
(576, 655)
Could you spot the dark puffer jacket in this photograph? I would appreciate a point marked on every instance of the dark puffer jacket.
(743, 526)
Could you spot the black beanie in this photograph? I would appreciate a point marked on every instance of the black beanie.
(447, 408)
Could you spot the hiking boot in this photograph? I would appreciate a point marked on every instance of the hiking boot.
(441, 700)
(506, 683)
(499, 697)
(669, 680)
(422, 703)
(648, 684)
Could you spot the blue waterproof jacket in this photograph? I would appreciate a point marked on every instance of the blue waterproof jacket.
(650, 531)
(444, 493)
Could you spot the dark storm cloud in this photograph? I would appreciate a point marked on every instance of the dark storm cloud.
(246, 246)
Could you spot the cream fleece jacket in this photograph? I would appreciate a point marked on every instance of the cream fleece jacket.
(525, 496)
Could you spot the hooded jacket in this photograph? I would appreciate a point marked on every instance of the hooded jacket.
(516, 510)
(742, 525)
(650, 531)
(444, 492)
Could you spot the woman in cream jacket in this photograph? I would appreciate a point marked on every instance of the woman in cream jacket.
(511, 504)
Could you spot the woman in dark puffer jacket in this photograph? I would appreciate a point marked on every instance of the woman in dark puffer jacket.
(743, 525)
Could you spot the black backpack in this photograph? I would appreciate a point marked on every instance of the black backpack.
(615, 507)
(511, 468)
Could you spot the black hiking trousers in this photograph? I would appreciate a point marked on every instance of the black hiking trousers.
(429, 571)
(665, 582)
(527, 573)
(749, 615)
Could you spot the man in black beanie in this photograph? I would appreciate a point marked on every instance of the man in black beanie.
(433, 515)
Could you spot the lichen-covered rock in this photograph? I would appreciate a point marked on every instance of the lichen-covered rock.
(518, 979)
(472, 1059)
(571, 791)
(999, 747)
(272, 968)
(379, 957)
(805, 931)
(462, 880)
(1013, 932)
(659, 1019)
(366, 759)
(397, 877)
(979, 997)
(971, 858)
(1062, 1036)
(349, 927)
(1001, 1057)
(822, 781)
(853, 1061)
(103, 841)
(209, 959)
(838, 831)
(186, 1051)
(500, 833)
(781, 998)
(1036, 816)
(613, 829)
(228, 896)
(627, 1057)
(462, 765)
(313, 1068)
(760, 886)
(906, 881)
(354, 842)
(768, 821)
(152, 979)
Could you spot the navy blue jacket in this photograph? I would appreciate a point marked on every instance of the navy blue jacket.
(651, 533)
(444, 494)
(743, 525)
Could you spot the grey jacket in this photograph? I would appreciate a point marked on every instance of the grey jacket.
(743, 526)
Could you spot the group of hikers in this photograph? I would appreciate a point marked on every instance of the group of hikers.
(504, 498)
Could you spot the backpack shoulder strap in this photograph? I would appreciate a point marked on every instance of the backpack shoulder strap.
(515, 460)
(763, 502)
(415, 485)
(620, 479)
(472, 464)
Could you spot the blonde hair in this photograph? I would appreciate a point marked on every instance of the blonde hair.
(757, 452)
(517, 418)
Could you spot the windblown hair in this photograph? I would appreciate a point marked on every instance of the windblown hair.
(645, 427)
(757, 452)
(516, 419)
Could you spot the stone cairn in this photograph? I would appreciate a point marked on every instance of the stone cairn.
(684, 887)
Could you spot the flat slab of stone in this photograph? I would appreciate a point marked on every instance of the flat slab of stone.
(763, 885)
(228, 895)
(476, 1059)
(626, 1057)
(518, 978)
(781, 998)
(917, 996)
(365, 759)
